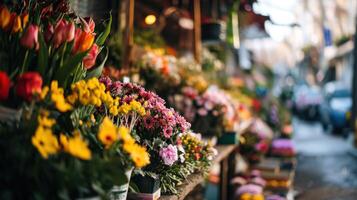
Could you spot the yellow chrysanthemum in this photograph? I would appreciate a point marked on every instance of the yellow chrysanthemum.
(125, 135)
(124, 109)
(138, 154)
(45, 122)
(45, 142)
(76, 146)
(107, 132)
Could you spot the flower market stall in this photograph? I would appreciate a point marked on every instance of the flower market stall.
(88, 112)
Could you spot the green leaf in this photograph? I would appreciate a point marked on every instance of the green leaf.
(98, 70)
(43, 55)
(68, 67)
(103, 36)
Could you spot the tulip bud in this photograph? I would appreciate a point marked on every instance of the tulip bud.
(89, 60)
(83, 41)
(5, 17)
(25, 19)
(88, 25)
(16, 25)
(30, 38)
(71, 30)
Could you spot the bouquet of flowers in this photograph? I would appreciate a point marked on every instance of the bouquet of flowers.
(45, 37)
(210, 113)
(64, 137)
(159, 129)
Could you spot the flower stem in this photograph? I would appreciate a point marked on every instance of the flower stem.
(24, 63)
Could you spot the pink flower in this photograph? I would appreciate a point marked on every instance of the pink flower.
(149, 122)
(30, 38)
(169, 154)
(168, 132)
(202, 112)
(88, 25)
(89, 60)
(64, 32)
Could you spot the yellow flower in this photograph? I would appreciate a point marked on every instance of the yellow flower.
(245, 196)
(60, 102)
(45, 122)
(138, 154)
(107, 132)
(72, 98)
(44, 92)
(92, 118)
(124, 109)
(45, 142)
(76, 146)
(125, 135)
(258, 197)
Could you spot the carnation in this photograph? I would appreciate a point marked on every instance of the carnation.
(169, 154)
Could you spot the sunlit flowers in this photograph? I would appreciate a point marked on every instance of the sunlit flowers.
(108, 133)
(76, 146)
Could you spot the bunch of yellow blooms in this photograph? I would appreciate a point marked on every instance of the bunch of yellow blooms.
(57, 97)
(193, 146)
(109, 134)
(247, 196)
(47, 143)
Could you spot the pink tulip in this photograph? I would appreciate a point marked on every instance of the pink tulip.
(89, 60)
(64, 32)
(30, 38)
(88, 25)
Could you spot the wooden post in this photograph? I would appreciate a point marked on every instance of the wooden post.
(197, 30)
(223, 185)
(128, 40)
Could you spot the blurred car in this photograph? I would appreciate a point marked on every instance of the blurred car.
(335, 110)
(306, 101)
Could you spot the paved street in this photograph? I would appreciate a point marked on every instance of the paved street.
(326, 169)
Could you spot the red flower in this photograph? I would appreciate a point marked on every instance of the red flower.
(88, 25)
(28, 84)
(89, 60)
(4, 86)
(30, 37)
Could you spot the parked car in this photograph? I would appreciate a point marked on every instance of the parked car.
(306, 101)
(336, 108)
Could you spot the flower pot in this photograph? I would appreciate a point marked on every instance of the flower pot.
(149, 188)
(229, 137)
(9, 115)
(121, 192)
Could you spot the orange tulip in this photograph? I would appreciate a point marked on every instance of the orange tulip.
(83, 41)
(16, 25)
(5, 17)
(25, 19)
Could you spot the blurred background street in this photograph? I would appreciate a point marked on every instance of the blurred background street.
(327, 168)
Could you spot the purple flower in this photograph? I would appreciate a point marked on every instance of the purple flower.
(169, 154)
(106, 81)
(250, 188)
(116, 88)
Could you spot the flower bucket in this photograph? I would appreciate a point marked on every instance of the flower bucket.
(149, 188)
(121, 192)
(9, 114)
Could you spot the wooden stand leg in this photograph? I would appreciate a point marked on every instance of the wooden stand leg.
(223, 186)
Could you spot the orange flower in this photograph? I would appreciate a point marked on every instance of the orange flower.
(16, 25)
(83, 41)
(5, 17)
(25, 19)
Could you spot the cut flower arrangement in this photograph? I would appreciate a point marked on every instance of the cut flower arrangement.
(175, 152)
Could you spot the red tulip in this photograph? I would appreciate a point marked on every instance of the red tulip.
(64, 32)
(89, 60)
(30, 37)
(4, 86)
(28, 84)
